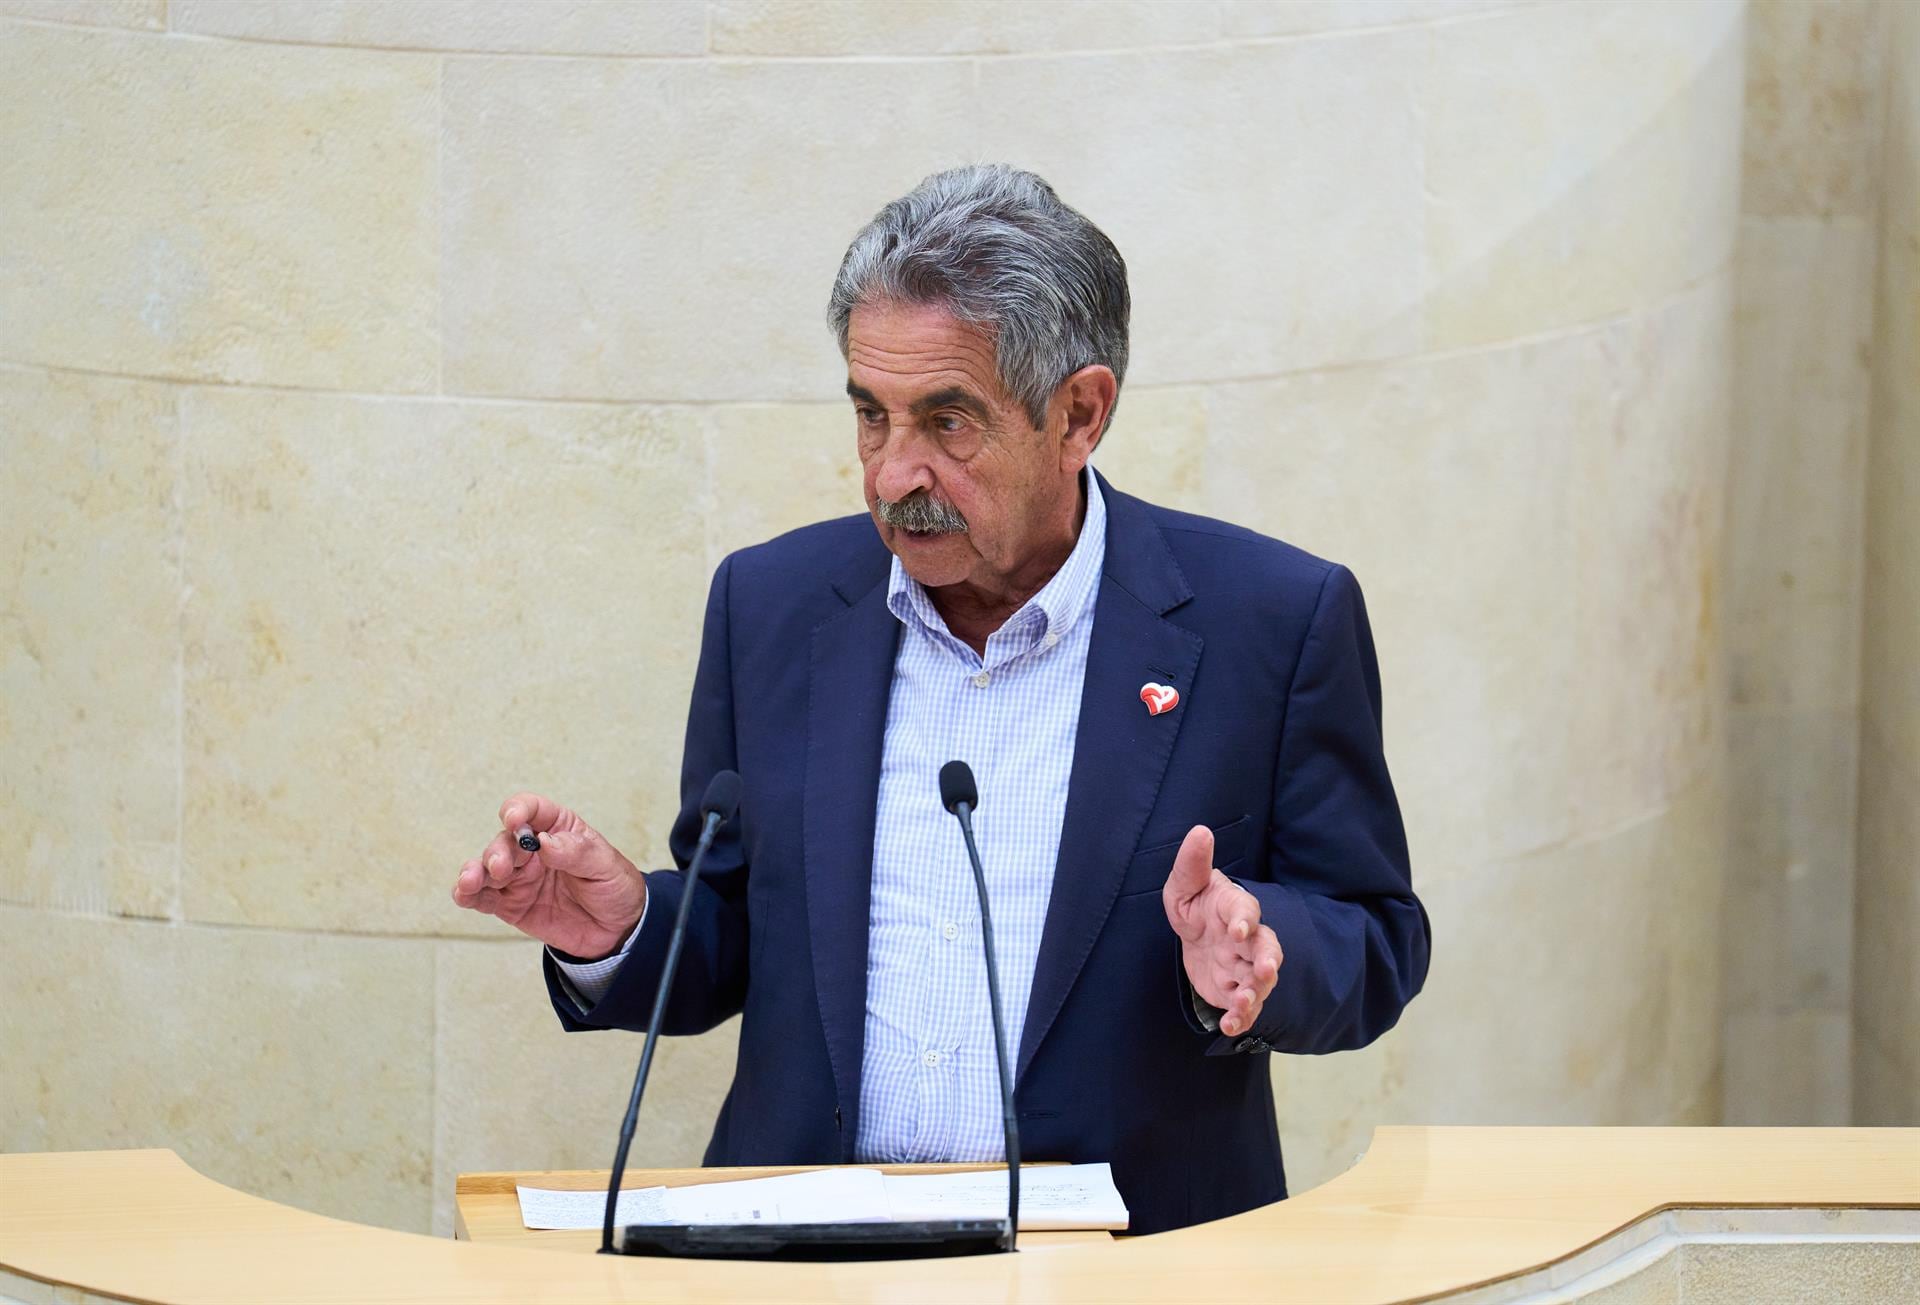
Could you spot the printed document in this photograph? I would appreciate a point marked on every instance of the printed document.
(1052, 1197)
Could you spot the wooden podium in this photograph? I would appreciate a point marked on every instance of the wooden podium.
(1499, 1213)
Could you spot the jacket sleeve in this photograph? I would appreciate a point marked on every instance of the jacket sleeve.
(1353, 937)
(712, 982)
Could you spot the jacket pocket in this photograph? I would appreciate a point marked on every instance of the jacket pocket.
(1148, 870)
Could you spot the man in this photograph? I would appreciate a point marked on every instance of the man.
(1193, 851)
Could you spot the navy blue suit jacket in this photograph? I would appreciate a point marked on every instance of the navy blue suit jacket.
(1275, 743)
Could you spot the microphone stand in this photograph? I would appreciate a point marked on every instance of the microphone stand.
(709, 827)
(963, 810)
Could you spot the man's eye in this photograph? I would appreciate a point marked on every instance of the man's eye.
(947, 423)
(871, 416)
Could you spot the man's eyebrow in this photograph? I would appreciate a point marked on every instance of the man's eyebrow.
(952, 397)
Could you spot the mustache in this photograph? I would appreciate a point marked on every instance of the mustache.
(921, 513)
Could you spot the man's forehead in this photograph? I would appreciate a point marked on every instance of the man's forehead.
(917, 347)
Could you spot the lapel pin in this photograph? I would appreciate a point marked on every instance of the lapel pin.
(1159, 697)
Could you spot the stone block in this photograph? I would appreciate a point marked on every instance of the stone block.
(402, 612)
(89, 643)
(200, 210)
(615, 27)
(1590, 178)
(670, 230)
(297, 1067)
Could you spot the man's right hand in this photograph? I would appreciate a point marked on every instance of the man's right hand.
(577, 894)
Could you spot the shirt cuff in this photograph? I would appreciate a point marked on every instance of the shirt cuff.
(586, 982)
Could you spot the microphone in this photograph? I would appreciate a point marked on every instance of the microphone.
(716, 809)
(961, 796)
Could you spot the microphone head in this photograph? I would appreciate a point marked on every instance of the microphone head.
(957, 786)
(723, 796)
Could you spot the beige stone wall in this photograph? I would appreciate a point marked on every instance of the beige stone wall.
(1886, 971)
(1802, 328)
(378, 385)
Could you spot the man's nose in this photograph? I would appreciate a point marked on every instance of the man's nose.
(902, 470)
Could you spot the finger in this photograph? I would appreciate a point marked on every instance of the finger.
(498, 859)
(1267, 958)
(530, 809)
(580, 853)
(1230, 904)
(467, 883)
(1192, 868)
(471, 892)
(1242, 1009)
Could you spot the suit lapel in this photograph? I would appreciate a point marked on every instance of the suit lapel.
(851, 674)
(1120, 751)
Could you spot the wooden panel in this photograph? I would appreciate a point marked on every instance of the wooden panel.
(1429, 1211)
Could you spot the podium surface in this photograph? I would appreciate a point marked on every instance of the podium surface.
(1428, 1213)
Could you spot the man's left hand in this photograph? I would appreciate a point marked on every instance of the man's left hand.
(1232, 959)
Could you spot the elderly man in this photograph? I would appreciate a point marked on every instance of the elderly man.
(1193, 851)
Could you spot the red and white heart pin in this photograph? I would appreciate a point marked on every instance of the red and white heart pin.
(1159, 697)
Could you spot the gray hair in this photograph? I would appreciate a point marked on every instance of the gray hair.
(997, 248)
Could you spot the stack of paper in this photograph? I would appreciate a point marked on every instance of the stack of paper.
(1051, 1197)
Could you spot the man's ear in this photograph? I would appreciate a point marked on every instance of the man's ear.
(1087, 398)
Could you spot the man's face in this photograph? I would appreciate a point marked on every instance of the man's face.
(935, 424)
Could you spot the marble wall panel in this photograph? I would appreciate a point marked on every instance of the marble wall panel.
(1789, 907)
(1886, 1087)
(513, 1091)
(1814, 69)
(1391, 470)
(1513, 514)
(1156, 447)
(1793, 1067)
(1803, 336)
(926, 27)
(1890, 691)
(176, 210)
(1311, 257)
(1803, 342)
(1576, 985)
(89, 643)
(1886, 975)
(777, 467)
(621, 27)
(1649, 683)
(526, 580)
(670, 230)
(1263, 18)
(298, 1067)
(1594, 175)
(147, 15)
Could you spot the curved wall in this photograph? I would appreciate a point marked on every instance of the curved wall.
(385, 382)
(1886, 960)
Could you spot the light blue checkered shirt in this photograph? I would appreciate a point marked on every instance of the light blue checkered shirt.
(929, 1084)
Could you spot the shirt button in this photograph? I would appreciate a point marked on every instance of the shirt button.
(930, 1059)
(1052, 638)
(980, 680)
(949, 931)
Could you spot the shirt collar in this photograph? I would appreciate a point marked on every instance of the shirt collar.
(1061, 601)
